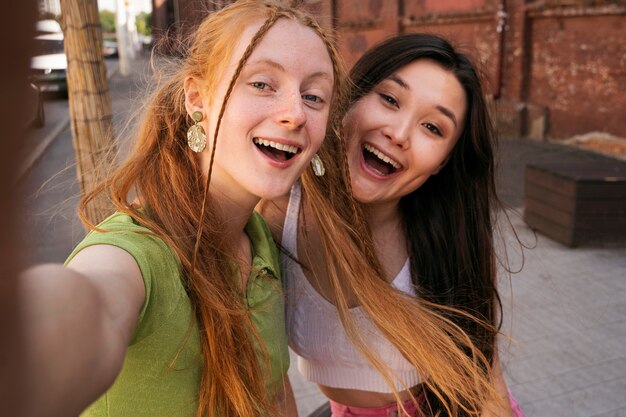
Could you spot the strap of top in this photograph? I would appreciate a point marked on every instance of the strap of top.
(290, 228)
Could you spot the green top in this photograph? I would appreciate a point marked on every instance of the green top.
(158, 377)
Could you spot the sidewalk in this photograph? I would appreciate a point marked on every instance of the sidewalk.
(37, 140)
(565, 310)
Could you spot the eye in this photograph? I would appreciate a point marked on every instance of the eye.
(389, 99)
(260, 85)
(312, 98)
(433, 128)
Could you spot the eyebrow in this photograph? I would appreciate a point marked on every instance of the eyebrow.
(444, 110)
(278, 66)
(448, 113)
(269, 62)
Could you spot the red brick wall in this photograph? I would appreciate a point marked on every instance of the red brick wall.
(562, 70)
(578, 71)
(363, 23)
(438, 6)
(477, 39)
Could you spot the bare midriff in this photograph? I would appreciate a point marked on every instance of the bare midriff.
(365, 399)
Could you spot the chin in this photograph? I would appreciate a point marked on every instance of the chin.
(274, 192)
(362, 198)
(360, 193)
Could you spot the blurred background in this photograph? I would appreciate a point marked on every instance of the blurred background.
(554, 68)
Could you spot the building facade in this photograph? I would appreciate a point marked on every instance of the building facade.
(554, 68)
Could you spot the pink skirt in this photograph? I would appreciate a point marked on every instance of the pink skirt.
(517, 410)
(391, 410)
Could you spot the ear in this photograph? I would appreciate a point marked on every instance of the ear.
(193, 96)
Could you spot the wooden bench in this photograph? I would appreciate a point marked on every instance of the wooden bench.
(577, 202)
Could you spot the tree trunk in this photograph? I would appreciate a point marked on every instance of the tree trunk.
(90, 105)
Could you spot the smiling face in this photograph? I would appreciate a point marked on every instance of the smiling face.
(403, 131)
(275, 119)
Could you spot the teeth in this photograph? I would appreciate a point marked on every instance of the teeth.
(382, 156)
(276, 145)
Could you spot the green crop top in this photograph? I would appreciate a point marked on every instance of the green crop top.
(151, 383)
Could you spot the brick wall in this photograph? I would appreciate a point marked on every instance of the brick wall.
(556, 69)
(578, 72)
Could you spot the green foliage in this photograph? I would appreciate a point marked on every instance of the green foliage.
(107, 20)
(144, 23)
(43, 15)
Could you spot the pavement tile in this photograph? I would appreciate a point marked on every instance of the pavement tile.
(577, 379)
(620, 412)
(584, 402)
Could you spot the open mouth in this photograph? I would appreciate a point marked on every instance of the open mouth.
(378, 161)
(277, 151)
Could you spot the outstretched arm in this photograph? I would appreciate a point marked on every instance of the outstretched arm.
(78, 321)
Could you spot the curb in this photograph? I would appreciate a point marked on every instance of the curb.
(34, 156)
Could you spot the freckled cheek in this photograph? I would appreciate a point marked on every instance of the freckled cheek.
(239, 113)
(260, 109)
(317, 130)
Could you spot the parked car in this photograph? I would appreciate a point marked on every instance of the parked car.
(47, 26)
(109, 49)
(49, 64)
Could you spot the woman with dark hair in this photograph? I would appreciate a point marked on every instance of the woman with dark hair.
(172, 306)
(420, 155)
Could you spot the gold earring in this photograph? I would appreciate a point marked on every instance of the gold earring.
(318, 165)
(196, 137)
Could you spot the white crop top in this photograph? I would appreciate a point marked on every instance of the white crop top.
(326, 354)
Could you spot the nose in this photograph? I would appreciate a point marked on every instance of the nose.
(291, 112)
(398, 132)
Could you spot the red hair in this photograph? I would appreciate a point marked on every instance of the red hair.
(175, 206)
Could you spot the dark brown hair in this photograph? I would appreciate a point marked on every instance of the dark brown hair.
(448, 333)
(451, 213)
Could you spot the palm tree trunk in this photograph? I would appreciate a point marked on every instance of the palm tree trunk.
(90, 105)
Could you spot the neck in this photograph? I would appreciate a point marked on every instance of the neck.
(234, 205)
(382, 216)
(235, 213)
(389, 236)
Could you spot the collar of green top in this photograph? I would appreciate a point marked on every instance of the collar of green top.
(263, 257)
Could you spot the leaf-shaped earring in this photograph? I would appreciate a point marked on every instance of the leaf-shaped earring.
(318, 165)
(196, 137)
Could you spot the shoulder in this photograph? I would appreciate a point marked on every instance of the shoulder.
(121, 236)
(121, 244)
(124, 232)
